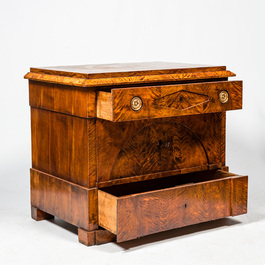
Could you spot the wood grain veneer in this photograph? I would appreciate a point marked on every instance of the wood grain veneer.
(156, 147)
(125, 74)
(73, 203)
(167, 101)
(142, 209)
(118, 174)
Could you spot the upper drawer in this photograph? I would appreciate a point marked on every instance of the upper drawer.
(126, 104)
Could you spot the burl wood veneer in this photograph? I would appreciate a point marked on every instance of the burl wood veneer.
(126, 150)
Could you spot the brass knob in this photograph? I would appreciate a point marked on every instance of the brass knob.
(136, 103)
(223, 96)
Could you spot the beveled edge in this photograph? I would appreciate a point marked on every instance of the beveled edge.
(126, 80)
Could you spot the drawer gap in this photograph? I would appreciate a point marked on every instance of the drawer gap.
(109, 88)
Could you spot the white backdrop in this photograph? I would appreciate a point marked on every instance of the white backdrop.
(49, 33)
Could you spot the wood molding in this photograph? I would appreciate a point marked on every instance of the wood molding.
(83, 82)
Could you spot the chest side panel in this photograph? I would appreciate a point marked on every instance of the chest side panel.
(64, 146)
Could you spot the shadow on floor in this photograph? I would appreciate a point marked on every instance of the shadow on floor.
(158, 237)
(63, 224)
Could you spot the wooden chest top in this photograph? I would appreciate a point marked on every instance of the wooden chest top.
(126, 73)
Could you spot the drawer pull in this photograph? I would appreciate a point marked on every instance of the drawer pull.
(223, 96)
(136, 103)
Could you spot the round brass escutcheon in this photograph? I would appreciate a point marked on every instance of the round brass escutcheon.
(223, 96)
(136, 103)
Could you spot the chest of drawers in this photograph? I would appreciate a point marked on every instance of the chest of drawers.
(126, 150)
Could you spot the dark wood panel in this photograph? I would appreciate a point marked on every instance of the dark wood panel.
(40, 124)
(223, 137)
(64, 146)
(174, 100)
(160, 147)
(63, 199)
(92, 166)
(140, 148)
(64, 99)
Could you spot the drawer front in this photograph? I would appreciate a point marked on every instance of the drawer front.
(135, 215)
(127, 104)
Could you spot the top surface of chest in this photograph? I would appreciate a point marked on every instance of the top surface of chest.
(126, 73)
(125, 69)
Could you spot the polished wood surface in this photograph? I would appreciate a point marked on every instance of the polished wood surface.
(240, 196)
(156, 147)
(141, 209)
(69, 147)
(168, 101)
(104, 105)
(64, 146)
(107, 211)
(96, 162)
(63, 99)
(125, 69)
(73, 203)
(144, 79)
(125, 74)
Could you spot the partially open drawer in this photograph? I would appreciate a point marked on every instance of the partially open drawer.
(141, 208)
(125, 104)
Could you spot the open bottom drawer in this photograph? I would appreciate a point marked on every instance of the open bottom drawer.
(142, 208)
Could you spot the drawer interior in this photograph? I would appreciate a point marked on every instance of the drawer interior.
(168, 182)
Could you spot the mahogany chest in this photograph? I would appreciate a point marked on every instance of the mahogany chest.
(126, 150)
